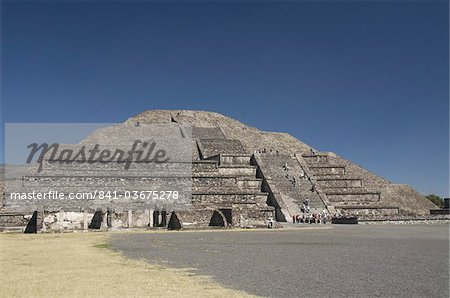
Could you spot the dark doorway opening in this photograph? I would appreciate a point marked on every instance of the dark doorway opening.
(217, 220)
(96, 221)
(159, 218)
(32, 224)
(228, 215)
(174, 222)
(109, 217)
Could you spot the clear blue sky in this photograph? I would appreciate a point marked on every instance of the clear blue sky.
(365, 79)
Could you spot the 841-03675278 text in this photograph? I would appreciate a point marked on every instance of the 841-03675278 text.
(98, 195)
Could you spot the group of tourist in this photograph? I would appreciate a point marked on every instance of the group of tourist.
(306, 215)
(310, 218)
(270, 151)
(293, 179)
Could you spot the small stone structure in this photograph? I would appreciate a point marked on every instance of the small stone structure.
(241, 177)
(445, 210)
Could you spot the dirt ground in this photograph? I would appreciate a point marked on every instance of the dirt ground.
(81, 264)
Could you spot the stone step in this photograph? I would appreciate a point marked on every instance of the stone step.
(210, 181)
(327, 170)
(132, 166)
(353, 197)
(234, 159)
(238, 171)
(315, 159)
(233, 171)
(214, 147)
(340, 183)
(114, 173)
(350, 191)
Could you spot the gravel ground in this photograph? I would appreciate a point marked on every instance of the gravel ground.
(337, 260)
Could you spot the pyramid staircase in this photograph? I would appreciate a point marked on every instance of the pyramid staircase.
(279, 171)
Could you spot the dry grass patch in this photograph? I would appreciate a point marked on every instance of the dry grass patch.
(80, 264)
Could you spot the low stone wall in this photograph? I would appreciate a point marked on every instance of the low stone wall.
(439, 211)
(363, 212)
(14, 221)
(405, 220)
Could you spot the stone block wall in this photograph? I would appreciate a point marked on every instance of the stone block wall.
(353, 186)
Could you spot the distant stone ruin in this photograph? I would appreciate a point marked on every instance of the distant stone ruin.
(241, 177)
